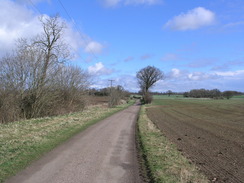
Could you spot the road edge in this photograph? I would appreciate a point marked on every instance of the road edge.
(62, 140)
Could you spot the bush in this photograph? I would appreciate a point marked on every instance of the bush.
(228, 94)
(147, 98)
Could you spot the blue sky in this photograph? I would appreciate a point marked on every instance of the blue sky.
(196, 43)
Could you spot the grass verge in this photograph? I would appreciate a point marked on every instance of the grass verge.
(25, 141)
(164, 163)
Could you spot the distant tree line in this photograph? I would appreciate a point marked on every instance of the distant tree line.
(35, 80)
(215, 94)
(115, 94)
(106, 91)
(99, 92)
(199, 93)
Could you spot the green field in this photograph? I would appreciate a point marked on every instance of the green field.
(239, 96)
(182, 97)
(155, 97)
(162, 100)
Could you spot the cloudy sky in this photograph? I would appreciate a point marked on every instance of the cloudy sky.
(196, 43)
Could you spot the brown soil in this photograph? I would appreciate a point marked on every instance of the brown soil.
(211, 136)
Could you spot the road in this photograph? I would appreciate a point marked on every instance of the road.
(103, 153)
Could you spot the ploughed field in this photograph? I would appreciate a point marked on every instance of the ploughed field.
(208, 132)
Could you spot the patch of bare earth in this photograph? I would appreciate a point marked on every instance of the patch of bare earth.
(212, 137)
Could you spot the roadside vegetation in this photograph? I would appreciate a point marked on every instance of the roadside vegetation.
(24, 141)
(36, 79)
(37, 83)
(164, 162)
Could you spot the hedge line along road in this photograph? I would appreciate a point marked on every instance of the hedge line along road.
(104, 153)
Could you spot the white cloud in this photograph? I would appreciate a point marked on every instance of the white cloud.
(198, 76)
(99, 69)
(129, 82)
(113, 3)
(230, 73)
(17, 21)
(191, 20)
(94, 47)
(184, 75)
(181, 80)
(175, 73)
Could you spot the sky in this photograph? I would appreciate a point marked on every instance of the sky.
(195, 43)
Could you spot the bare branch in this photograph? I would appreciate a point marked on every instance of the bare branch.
(147, 77)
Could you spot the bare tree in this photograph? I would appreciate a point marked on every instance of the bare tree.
(146, 78)
(35, 81)
(51, 44)
(169, 92)
(43, 54)
(71, 83)
(116, 95)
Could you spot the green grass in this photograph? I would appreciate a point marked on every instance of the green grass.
(155, 97)
(164, 161)
(238, 96)
(25, 141)
(201, 101)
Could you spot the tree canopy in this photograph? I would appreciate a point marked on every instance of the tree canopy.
(148, 76)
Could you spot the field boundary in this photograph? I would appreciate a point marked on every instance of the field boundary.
(161, 160)
(145, 172)
(209, 133)
(16, 153)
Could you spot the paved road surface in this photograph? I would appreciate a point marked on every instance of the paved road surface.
(103, 153)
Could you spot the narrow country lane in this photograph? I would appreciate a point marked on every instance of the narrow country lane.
(103, 153)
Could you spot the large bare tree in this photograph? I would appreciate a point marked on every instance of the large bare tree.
(146, 78)
(51, 44)
(44, 53)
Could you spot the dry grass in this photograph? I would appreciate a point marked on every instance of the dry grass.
(165, 163)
